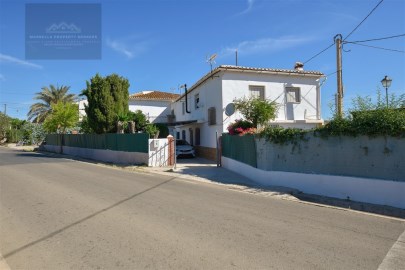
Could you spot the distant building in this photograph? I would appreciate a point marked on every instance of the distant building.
(154, 104)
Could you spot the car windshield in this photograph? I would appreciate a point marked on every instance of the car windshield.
(182, 142)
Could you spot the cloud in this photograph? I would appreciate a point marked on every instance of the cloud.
(248, 9)
(129, 47)
(264, 45)
(13, 60)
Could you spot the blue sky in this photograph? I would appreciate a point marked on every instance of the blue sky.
(159, 45)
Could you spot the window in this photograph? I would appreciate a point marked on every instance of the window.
(293, 94)
(183, 108)
(178, 135)
(256, 91)
(197, 136)
(212, 116)
(183, 134)
(197, 101)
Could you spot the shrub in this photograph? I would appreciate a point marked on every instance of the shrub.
(241, 127)
(379, 122)
(256, 110)
(163, 130)
(282, 135)
(152, 130)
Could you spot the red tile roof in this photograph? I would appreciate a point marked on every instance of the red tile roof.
(153, 95)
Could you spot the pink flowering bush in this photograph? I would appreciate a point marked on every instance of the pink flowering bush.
(241, 127)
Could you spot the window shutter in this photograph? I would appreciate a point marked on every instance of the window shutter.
(256, 91)
(212, 116)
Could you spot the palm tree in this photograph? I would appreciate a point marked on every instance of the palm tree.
(48, 96)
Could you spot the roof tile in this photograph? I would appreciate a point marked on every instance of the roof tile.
(153, 95)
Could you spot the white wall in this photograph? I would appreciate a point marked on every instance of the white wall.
(101, 154)
(158, 153)
(82, 112)
(236, 85)
(155, 111)
(224, 87)
(210, 96)
(355, 188)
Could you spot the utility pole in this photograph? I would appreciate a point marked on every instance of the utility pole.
(5, 109)
(236, 57)
(338, 42)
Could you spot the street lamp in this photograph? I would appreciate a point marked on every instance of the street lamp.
(386, 82)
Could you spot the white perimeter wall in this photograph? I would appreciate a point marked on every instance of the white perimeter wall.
(102, 155)
(355, 188)
(158, 153)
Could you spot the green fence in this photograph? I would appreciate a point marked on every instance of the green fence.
(137, 142)
(240, 148)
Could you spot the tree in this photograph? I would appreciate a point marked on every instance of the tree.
(140, 120)
(366, 103)
(107, 98)
(49, 95)
(63, 116)
(4, 125)
(256, 110)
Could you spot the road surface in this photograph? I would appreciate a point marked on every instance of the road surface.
(57, 213)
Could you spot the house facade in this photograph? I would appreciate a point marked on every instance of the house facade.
(207, 111)
(154, 104)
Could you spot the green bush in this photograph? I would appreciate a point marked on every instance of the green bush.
(15, 135)
(282, 135)
(152, 130)
(336, 127)
(379, 122)
(163, 130)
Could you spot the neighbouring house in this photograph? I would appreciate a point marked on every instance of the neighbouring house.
(82, 112)
(206, 111)
(154, 104)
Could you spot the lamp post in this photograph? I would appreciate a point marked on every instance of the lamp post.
(386, 82)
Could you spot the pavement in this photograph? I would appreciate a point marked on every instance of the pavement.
(204, 170)
(200, 169)
(59, 213)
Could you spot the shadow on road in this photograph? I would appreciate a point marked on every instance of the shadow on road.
(13, 252)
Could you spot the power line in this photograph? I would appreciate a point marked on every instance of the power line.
(331, 73)
(375, 47)
(363, 20)
(319, 53)
(375, 39)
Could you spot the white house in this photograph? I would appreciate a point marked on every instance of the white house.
(154, 104)
(82, 113)
(204, 115)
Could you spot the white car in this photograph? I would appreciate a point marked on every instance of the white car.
(183, 148)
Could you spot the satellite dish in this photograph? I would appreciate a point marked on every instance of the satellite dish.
(230, 109)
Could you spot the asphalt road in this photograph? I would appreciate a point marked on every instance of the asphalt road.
(61, 214)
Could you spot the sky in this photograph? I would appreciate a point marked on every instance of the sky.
(159, 45)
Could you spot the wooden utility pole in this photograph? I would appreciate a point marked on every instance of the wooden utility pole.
(338, 42)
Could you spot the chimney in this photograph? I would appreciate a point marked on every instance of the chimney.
(299, 66)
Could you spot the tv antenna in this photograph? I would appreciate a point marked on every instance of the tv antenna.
(211, 60)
